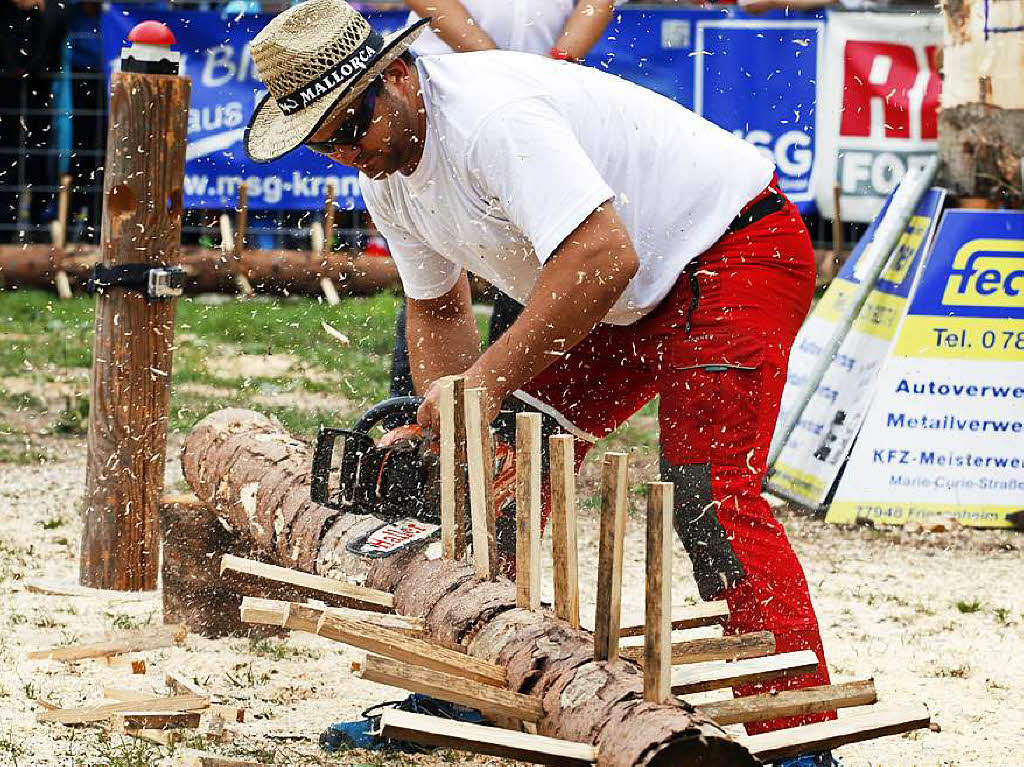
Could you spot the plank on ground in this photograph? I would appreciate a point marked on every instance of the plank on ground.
(329, 590)
(137, 641)
(375, 639)
(492, 701)
(702, 614)
(875, 722)
(753, 645)
(89, 714)
(447, 733)
(714, 675)
(786, 703)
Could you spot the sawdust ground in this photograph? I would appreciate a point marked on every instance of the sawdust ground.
(935, 618)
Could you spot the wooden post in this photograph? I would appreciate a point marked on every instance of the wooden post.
(528, 443)
(131, 373)
(480, 456)
(614, 486)
(453, 468)
(330, 291)
(60, 239)
(239, 242)
(563, 529)
(658, 605)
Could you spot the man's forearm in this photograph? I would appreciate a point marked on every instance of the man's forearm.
(453, 24)
(442, 336)
(584, 27)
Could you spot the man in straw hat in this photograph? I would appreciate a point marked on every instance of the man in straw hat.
(651, 249)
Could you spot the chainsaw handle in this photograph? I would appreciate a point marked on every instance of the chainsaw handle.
(404, 406)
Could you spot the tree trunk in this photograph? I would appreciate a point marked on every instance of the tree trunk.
(981, 122)
(256, 478)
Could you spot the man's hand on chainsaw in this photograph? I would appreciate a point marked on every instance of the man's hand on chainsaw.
(429, 414)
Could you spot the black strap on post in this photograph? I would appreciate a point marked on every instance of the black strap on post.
(152, 281)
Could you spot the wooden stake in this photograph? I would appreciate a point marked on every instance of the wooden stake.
(480, 455)
(492, 701)
(326, 284)
(837, 225)
(528, 444)
(753, 645)
(703, 614)
(241, 227)
(564, 549)
(824, 736)
(701, 677)
(614, 485)
(329, 590)
(480, 739)
(134, 336)
(786, 703)
(60, 239)
(145, 639)
(658, 604)
(453, 468)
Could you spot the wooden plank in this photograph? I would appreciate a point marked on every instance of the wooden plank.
(564, 548)
(405, 624)
(492, 701)
(182, 685)
(753, 645)
(614, 486)
(702, 614)
(381, 641)
(528, 444)
(876, 722)
(481, 485)
(154, 720)
(453, 468)
(137, 641)
(658, 602)
(714, 675)
(785, 703)
(206, 759)
(329, 590)
(144, 703)
(493, 741)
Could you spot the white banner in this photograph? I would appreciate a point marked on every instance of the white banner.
(877, 102)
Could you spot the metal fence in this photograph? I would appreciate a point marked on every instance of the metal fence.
(53, 127)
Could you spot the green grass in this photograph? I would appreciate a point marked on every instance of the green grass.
(968, 607)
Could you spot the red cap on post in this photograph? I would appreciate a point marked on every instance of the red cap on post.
(150, 51)
(151, 33)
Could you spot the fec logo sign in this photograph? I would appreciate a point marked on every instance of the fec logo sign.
(987, 272)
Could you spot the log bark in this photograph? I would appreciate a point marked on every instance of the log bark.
(256, 479)
(295, 272)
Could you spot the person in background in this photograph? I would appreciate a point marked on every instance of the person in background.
(560, 29)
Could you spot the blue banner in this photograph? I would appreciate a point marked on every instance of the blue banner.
(753, 76)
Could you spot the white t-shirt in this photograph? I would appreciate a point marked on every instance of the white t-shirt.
(530, 26)
(520, 149)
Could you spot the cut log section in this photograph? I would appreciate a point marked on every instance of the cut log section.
(703, 614)
(754, 645)
(872, 723)
(777, 705)
(489, 700)
(299, 585)
(479, 739)
(146, 639)
(701, 677)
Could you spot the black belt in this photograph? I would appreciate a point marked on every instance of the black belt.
(770, 203)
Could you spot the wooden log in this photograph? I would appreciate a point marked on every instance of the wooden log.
(714, 675)
(480, 452)
(299, 584)
(134, 336)
(154, 720)
(142, 703)
(453, 467)
(658, 602)
(874, 722)
(528, 443)
(489, 700)
(479, 739)
(374, 639)
(137, 641)
(583, 700)
(564, 548)
(786, 703)
(703, 614)
(607, 616)
(753, 645)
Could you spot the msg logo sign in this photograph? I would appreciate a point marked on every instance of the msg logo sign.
(987, 272)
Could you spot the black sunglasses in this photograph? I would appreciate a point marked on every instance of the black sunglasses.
(352, 130)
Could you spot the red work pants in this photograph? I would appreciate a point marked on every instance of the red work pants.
(718, 365)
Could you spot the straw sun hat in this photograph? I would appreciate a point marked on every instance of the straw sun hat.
(313, 57)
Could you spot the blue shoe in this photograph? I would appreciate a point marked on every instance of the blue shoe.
(821, 759)
(363, 733)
